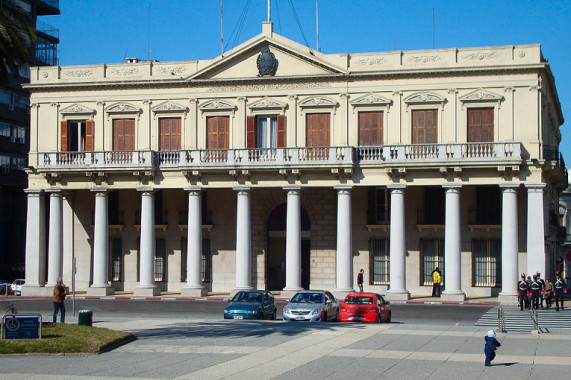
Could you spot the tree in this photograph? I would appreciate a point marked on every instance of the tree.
(17, 37)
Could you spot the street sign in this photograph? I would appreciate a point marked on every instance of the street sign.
(22, 326)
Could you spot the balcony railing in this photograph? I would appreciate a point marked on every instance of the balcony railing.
(276, 158)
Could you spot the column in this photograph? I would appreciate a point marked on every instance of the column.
(100, 286)
(55, 242)
(344, 265)
(243, 240)
(35, 244)
(509, 245)
(452, 251)
(535, 230)
(193, 287)
(147, 285)
(293, 241)
(397, 247)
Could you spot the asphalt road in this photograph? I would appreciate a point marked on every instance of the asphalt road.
(462, 315)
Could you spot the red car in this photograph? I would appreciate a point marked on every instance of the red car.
(365, 307)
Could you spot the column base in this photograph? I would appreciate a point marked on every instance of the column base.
(193, 292)
(508, 298)
(397, 295)
(100, 291)
(457, 296)
(146, 292)
(37, 291)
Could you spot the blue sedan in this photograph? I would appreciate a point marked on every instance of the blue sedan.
(251, 304)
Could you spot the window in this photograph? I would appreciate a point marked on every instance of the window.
(266, 131)
(371, 128)
(487, 262)
(488, 206)
(434, 206)
(480, 124)
(206, 263)
(318, 127)
(432, 256)
(169, 133)
(116, 259)
(379, 209)
(380, 260)
(218, 137)
(123, 134)
(160, 260)
(115, 216)
(425, 126)
(77, 135)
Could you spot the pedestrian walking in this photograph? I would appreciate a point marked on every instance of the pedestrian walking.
(560, 289)
(548, 293)
(522, 292)
(490, 348)
(542, 283)
(436, 279)
(59, 297)
(360, 280)
(535, 290)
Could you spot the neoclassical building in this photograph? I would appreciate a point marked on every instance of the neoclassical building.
(277, 167)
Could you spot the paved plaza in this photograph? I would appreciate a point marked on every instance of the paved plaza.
(211, 349)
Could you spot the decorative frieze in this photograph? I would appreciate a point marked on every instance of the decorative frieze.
(169, 106)
(479, 56)
(77, 109)
(267, 103)
(217, 105)
(123, 108)
(269, 87)
(424, 97)
(76, 73)
(164, 70)
(424, 58)
(371, 100)
(317, 101)
(123, 71)
(368, 61)
(481, 95)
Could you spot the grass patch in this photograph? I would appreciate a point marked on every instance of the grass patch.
(62, 338)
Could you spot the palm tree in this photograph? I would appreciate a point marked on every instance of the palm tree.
(17, 37)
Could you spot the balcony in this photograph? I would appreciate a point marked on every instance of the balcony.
(307, 158)
(48, 7)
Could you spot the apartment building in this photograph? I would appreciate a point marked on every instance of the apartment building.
(277, 167)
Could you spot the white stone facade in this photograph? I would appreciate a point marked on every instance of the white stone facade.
(287, 215)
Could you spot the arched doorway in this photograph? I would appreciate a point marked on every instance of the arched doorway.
(275, 255)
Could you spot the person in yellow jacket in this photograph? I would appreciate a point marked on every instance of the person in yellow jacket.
(59, 297)
(436, 280)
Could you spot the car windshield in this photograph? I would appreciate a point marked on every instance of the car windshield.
(308, 298)
(247, 297)
(359, 300)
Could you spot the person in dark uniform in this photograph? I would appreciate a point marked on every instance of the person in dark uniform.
(522, 292)
(535, 290)
(360, 280)
(560, 288)
(542, 283)
(528, 298)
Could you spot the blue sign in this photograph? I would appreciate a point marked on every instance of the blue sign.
(21, 327)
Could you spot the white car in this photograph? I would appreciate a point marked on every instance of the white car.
(17, 286)
(312, 305)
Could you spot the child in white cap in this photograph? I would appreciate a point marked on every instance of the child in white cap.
(491, 347)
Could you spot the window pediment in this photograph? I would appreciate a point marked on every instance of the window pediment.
(318, 101)
(77, 109)
(267, 103)
(217, 105)
(371, 100)
(424, 98)
(123, 108)
(481, 95)
(169, 106)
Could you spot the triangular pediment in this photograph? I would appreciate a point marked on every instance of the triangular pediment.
(371, 100)
(169, 106)
(424, 97)
(77, 109)
(480, 95)
(123, 108)
(267, 103)
(317, 101)
(217, 105)
(283, 59)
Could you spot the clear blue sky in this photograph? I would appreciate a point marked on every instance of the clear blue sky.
(107, 31)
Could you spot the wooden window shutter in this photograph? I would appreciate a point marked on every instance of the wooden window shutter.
(63, 135)
(281, 120)
(251, 132)
(89, 135)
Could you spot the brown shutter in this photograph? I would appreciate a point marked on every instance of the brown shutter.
(251, 132)
(89, 135)
(281, 120)
(63, 135)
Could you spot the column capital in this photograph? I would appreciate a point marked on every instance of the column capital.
(292, 188)
(33, 192)
(535, 187)
(509, 186)
(99, 190)
(54, 191)
(452, 187)
(343, 189)
(242, 190)
(193, 189)
(146, 189)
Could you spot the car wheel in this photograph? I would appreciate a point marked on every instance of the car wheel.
(379, 319)
(336, 319)
(324, 319)
(273, 318)
(389, 318)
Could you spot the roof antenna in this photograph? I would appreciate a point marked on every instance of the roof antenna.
(317, 23)
(221, 29)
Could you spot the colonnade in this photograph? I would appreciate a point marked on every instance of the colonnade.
(35, 242)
